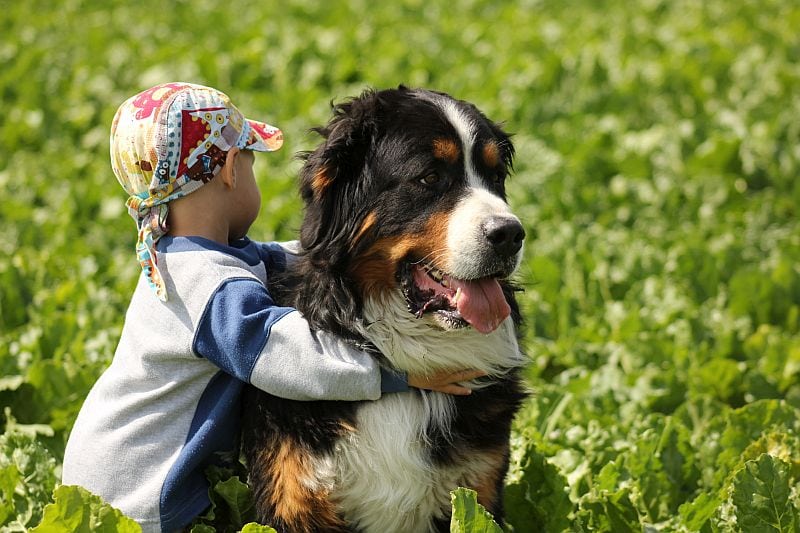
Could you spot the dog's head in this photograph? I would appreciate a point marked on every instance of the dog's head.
(407, 194)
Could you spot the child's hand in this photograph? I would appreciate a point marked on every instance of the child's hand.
(445, 381)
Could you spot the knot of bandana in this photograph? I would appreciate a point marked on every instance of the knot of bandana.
(150, 214)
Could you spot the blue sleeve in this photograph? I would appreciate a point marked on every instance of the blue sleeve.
(236, 325)
(273, 255)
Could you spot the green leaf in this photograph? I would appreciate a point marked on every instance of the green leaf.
(468, 515)
(202, 528)
(9, 479)
(232, 504)
(608, 477)
(697, 513)
(252, 527)
(239, 500)
(762, 497)
(77, 510)
(720, 377)
(536, 493)
(609, 512)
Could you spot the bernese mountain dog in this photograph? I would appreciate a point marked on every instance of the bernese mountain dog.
(407, 244)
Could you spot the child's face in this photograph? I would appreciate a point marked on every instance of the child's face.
(247, 197)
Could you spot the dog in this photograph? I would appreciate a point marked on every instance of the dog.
(407, 244)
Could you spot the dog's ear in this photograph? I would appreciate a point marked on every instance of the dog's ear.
(332, 185)
(328, 177)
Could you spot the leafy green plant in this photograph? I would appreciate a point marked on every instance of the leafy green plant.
(77, 510)
(232, 505)
(469, 516)
(656, 176)
(26, 480)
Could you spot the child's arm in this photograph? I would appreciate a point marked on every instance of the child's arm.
(243, 332)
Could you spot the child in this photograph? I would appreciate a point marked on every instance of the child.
(201, 323)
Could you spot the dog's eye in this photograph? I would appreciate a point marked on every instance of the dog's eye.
(430, 179)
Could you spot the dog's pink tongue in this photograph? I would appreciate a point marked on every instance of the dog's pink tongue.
(481, 303)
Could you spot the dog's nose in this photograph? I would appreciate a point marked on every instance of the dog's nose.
(505, 234)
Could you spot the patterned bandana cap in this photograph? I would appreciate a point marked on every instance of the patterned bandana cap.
(167, 142)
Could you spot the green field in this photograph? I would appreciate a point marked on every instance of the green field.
(657, 173)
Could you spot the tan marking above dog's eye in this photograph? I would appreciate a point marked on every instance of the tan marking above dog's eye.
(446, 149)
(491, 154)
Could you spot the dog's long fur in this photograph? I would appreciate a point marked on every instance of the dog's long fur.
(389, 465)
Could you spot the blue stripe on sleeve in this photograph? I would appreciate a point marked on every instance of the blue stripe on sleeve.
(214, 428)
(273, 255)
(235, 326)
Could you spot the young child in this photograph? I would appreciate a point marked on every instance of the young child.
(201, 323)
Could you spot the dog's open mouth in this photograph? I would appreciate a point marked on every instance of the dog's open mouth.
(479, 303)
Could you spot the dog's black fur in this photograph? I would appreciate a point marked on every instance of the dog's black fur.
(375, 148)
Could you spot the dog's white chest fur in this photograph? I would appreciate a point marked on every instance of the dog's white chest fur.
(383, 481)
(380, 476)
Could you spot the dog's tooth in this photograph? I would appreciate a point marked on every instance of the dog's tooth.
(457, 295)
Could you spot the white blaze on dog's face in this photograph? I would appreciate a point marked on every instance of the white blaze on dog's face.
(484, 238)
(481, 210)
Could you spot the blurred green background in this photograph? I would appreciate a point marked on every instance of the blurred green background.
(657, 175)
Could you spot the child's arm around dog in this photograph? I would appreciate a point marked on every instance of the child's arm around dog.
(287, 359)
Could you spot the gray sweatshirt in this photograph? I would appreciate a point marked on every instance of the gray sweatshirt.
(169, 403)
